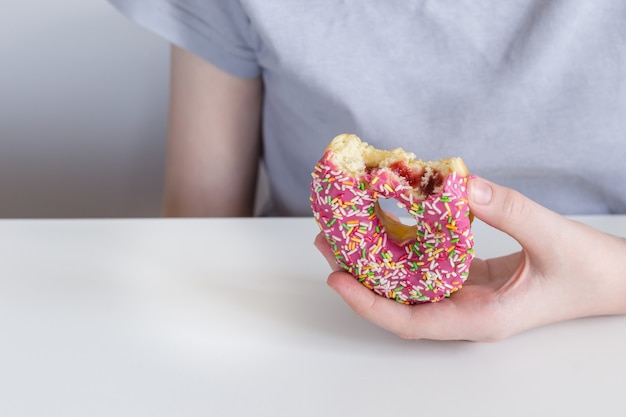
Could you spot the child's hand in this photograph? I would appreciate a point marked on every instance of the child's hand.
(565, 270)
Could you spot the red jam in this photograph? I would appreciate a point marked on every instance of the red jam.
(414, 177)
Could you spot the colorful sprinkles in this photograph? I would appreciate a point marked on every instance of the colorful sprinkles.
(427, 269)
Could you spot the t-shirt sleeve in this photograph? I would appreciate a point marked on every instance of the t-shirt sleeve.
(216, 30)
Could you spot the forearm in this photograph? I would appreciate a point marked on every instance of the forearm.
(210, 182)
(214, 140)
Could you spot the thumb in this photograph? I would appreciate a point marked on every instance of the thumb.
(509, 211)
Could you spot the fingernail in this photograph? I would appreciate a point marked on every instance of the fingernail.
(480, 191)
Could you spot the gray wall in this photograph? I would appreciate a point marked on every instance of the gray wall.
(83, 103)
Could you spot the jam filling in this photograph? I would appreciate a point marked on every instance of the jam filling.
(425, 182)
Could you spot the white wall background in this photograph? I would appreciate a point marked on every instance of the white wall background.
(83, 103)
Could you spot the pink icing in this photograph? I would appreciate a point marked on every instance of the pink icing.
(429, 268)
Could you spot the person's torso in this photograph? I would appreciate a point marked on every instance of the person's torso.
(529, 93)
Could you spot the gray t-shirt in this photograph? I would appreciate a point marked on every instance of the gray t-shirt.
(530, 93)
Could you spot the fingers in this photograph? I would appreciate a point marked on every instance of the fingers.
(466, 318)
(509, 211)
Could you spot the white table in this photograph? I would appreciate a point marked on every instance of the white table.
(164, 318)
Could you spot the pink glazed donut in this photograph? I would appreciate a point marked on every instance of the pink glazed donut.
(424, 262)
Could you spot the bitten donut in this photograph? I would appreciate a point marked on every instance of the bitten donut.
(411, 264)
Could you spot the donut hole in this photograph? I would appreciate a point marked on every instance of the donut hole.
(400, 229)
(394, 210)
